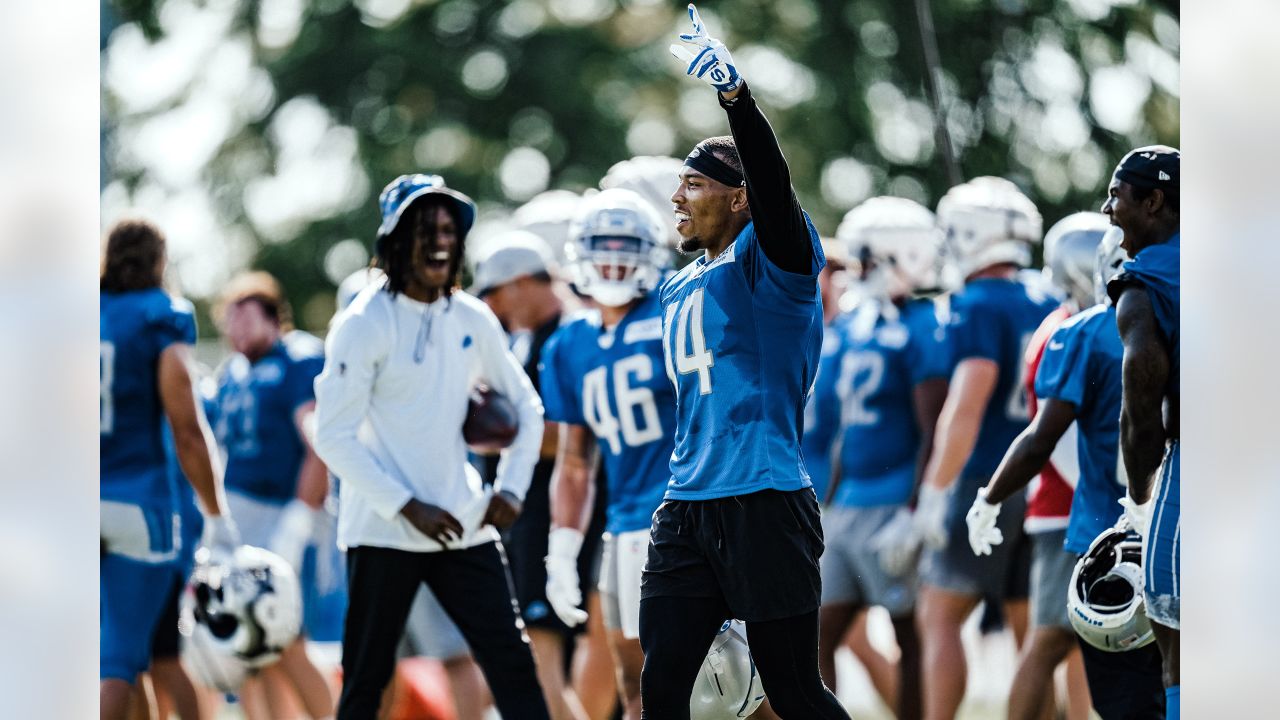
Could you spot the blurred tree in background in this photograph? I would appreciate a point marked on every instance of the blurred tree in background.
(259, 132)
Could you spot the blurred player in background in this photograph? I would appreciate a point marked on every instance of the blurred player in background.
(815, 444)
(147, 377)
(276, 485)
(1047, 455)
(739, 532)
(517, 278)
(400, 364)
(602, 380)
(889, 385)
(1143, 200)
(991, 227)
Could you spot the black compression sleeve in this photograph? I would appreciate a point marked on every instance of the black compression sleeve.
(779, 221)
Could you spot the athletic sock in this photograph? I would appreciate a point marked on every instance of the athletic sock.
(1172, 701)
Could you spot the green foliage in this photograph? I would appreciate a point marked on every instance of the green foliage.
(574, 86)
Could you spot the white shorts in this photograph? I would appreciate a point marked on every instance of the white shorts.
(623, 561)
(256, 519)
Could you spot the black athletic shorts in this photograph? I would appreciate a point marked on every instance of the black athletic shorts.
(526, 546)
(758, 552)
(164, 643)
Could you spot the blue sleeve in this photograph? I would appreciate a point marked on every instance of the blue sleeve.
(770, 282)
(1064, 368)
(823, 416)
(175, 322)
(927, 354)
(302, 381)
(975, 332)
(560, 402)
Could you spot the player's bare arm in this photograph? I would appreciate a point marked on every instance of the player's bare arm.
(927, 400)
(1145, 373)
(572, 485)
(192, 437)
(1031, 450)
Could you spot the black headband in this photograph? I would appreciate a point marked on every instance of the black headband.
(1155, 166)
(713, 167)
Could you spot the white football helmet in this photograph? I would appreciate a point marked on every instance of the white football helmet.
(548, 215)
(902, 239)
(727, 685)
(654, 178)
(1107, 263)
(1070, 249)
(239, 616)
(988, 221)
(1104, 600)
(616, 251)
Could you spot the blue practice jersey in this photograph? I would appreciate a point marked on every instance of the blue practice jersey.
(134, 328)
(612, 382)
(820, 430)
(1081, 365)
(1157, 268)
(994, 318)
(741, 339)
(883, 356)
(255, 416)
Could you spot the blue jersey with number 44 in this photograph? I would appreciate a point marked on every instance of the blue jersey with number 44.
(612, 381)
(741, 339)
(255, 419)
(134, 328)
(994, 319)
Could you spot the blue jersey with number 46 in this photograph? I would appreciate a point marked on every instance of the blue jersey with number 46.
(742, 339)
(994, 319)
(612, 381)
(134, 328)
(255, 419)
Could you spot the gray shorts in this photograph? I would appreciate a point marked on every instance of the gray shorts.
(255, 519)
(851, 571)
(1002, 575)
(429, 632)
(621, 567)
(1051, 568)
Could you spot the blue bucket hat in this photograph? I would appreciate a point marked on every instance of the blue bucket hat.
(400, 193)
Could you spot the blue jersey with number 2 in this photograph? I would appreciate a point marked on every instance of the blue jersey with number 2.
(742, 339)
(612, 381)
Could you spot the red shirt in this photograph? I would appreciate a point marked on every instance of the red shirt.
(1049, 495)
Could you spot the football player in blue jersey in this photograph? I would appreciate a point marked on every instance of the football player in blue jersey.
(146, 377)
(738, 533)
(890, 383)
(816, 441)
(276, 485)
(990, 227)
(1143, 202)
(603, 380)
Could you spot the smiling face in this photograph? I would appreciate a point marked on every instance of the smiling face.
(434, 246)
(708, 213)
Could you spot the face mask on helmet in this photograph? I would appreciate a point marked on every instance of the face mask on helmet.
(1104, 600)
(727, 685)
(615, 252)
(1110, 259)
(239, 616)
(988, 221)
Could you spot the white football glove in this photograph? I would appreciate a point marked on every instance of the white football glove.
(897, 543)
(220, 539)
(562, 575)
(1138, 514)
(709, 60)
(931, 516)
(293, 533)
(981, 519)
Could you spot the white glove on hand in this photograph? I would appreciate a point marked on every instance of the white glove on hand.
(981, 520)
(220, 539)
(562, 575)
(897, 543)
(710, 60)
(931, 516)
(1138, 514)
(293, 533)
